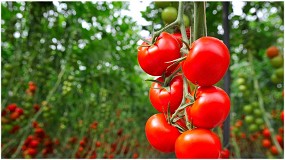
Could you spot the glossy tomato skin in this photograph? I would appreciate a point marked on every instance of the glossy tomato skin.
(207, 61)
(161, 97)
(211, 107)
(152, 59)
(160, 134)
(198, 143)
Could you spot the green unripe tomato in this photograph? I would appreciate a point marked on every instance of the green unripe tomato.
(169, 15)
(255, 104)
(8, 67)
(277, 61)
(240, 81)
(242, 88)
(186, 20)
(249, 119)
(279, 72)
(259, 121)
(275, 79)
(247, 108)
(257, 112)
(253, 127)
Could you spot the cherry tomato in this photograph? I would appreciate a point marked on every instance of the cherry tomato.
(160, 134)
(211, 107)
(198, 143)
(225, 154)
(266, 133)
(207, 61)
(266, 143)
(169, 15)
(274, 150)
(171, 95)
(152, 59)
(272, 52)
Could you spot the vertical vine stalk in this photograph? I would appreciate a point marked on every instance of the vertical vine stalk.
(261, 105)
(199, 19)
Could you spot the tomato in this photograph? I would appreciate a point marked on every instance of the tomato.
(34, 144)
(178, 36)
(274, 150)
(198, 143)
(153, 59)
(279, 72)
(259, 121)
(280, 140)
(257, 112)
(266, 143)
(225, 154)
(247, 108)
(240, 81)
(272, 52)
(242, 88)
(211, 107)
(277, 61)
(249, 119)
(12, 107)
(160, 134)
(19, 110)
(186, 20)
(253, 127)
(170, 95)
(169, 15)
(266, 133)
(207, 61)
(275, 79)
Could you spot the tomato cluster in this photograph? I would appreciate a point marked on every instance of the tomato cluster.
(185, 119)
(276, 60)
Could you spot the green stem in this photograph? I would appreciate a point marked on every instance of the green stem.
(199, 20)
(177, 21)
(261, 105)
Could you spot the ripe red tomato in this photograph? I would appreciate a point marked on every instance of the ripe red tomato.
(34, 143)
(160, 97)
(211, 107)
(272, 52)
(280, 140)
(274, 150)
(160, 134)
(266, 143)
(266, 133)
(12, 107)
(207, 61)
(178, 36)
(198, 143)
(225, 154)
(153, 59)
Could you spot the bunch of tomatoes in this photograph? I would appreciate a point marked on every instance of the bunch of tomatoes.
(185, 119)
(276, 61)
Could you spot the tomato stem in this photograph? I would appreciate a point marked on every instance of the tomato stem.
(199, 20)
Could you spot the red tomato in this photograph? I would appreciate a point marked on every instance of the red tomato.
(153, 59)
(210, 109)
(14, 115)
(207, 61)
(280, 140)
(34, 144)
(266, 133)
(274, 150)
(266, 143)
(198, 143)
(160, 134)
(12, 107)
(19, 110)
(160, 97)
(225, 154)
